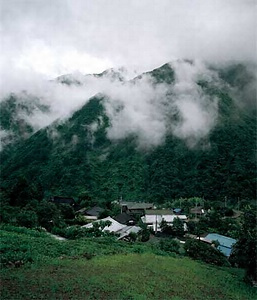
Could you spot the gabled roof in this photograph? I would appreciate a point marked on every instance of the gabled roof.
(137, 205)
(197, 210)
(159, 212)
(153, 218)
(124, 218)
(222, 239)
(127, 230)
(114, 227)
(225, 242)
(94, 211)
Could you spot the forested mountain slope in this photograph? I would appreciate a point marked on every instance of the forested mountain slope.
(77, 156)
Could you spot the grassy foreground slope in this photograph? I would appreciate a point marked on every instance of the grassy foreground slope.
(61, 270)
(131, 276)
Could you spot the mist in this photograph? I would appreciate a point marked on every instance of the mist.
(41, 40)
(136, 107)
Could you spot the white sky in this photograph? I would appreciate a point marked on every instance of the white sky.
(54, 37)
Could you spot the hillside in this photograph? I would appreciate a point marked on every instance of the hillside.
(116, 270)
(77, 156)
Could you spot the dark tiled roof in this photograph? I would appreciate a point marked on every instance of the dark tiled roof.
(94, 211)
(159, 212)
(137, 205)
(196, 210)
(124, 218)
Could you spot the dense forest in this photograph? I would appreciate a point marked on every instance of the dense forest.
(80, 162)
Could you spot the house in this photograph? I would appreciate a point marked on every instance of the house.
(62, 200)
(154, 217)
(136, 208)
(119, 229)
(125, 218)
(197, 211)
(115, 226)
(225, 243)
(90, 214)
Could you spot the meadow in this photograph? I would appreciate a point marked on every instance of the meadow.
(103, 268)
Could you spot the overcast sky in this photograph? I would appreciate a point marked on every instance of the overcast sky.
(54, 37)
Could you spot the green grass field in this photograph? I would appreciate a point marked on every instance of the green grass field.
(59, 270)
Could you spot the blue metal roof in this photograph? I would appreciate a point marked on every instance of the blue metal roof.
(225, 242)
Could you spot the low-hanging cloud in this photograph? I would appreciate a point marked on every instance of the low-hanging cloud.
(43, 39)
(138, 107)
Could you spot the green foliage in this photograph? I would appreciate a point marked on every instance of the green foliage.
(123, 277)
(165, 228)
(67, 211)
(96, 170)
(169, 245)
(61, 268)
(144, 233)
(49, 215)
(26, 245)
(27, 218)
(199, 250)
(178, 227)
(132, 236)
(244, 252)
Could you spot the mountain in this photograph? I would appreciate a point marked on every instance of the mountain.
(78, 78)
(15, 112)
(79, 156)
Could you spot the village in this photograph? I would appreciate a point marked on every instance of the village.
(131, 218)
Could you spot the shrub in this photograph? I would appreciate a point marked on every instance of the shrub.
(27, 218)
(169, 245)
(199, 250)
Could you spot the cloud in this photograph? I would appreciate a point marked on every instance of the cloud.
(43, 39)
(136, 108)
(198, 111)
(57, 37)
(150, 112)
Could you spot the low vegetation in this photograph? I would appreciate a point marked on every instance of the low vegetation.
(104, 268)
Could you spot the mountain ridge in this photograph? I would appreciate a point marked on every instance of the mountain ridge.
(77, 156)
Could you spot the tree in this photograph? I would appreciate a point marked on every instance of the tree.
(178, 227)
(199, 250)
(27, 218)
(169, 245)
(144, 232)
(67, 211)
(49, 215)
(201, 227)
(165, 228)
(244, 251)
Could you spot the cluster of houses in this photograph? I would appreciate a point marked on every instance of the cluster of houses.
(130, 212)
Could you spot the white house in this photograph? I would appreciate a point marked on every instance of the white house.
(116, 227)
(153, 218)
